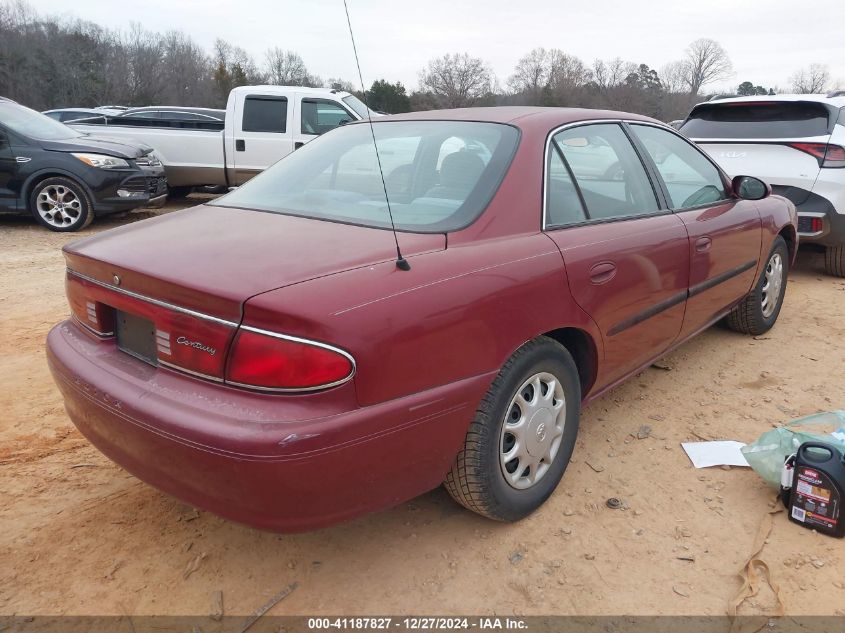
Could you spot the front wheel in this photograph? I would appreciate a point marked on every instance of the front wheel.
(523, 434)
(61, 204)
(757, 313)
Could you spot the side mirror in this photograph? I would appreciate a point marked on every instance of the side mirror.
(343, 122)
(750, 188)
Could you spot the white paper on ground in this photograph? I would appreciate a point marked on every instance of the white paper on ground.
(719, 453)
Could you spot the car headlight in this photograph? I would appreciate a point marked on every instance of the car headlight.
(101, 160)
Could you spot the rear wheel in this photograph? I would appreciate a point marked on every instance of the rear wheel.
(523, 434)
(759, 310)
(61, 204)
(834, 260)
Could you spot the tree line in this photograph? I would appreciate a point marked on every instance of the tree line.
(48, 62)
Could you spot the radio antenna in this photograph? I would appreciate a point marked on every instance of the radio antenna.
(401, 262)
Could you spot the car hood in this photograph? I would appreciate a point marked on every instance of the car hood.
(100, 145)
(213, 259)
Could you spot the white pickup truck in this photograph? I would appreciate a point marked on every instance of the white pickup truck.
(262, 125)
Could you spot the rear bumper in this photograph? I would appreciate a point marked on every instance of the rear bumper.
(270, 461)
(821, 219)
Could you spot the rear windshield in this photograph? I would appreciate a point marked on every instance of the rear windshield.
(770, 119)
(439, 175)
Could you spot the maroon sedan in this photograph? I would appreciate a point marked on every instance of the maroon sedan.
(265, 357)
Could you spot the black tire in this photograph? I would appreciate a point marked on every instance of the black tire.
(477, 480)
(834, 260)
(78, 214)
(748, 316)
(179, 192)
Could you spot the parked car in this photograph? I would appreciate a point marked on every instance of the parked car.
(65, 178)
(175, 113)
(262, 125)
(794, 142)
(275, 363)
(65, 115)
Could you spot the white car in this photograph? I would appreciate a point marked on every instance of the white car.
(796, 143)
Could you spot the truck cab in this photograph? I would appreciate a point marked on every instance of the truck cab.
(266, 123)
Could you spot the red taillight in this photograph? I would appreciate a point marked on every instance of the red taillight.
(816, 225)
(827, 155)
(271, 361)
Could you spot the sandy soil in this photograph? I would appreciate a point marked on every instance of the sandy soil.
(80, 536)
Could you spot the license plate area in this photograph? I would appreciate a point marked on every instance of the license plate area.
(136, 336)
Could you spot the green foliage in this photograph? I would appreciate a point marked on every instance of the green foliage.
(384, 96)
(748, 89)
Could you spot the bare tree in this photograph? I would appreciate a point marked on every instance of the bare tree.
(286, 68)
(457, 80)
(531, 74)
(674, 77)
(706, 62)
(810, 80)
(566, 71)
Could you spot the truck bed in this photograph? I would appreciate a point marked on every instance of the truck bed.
(191, 156)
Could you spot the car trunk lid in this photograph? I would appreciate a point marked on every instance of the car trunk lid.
(170, 290)
(212, 259)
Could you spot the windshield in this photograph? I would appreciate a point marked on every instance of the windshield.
(32, 124)
(359, 106)
(439, 175)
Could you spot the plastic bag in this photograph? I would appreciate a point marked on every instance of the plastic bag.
(767, 454)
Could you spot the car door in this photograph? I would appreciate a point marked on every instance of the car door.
(262, 134)
(8, 171)
(626, 257)
(725, 232)
(318, 116)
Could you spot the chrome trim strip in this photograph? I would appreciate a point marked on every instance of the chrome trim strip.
(296, 339)
(619, 121)
(100, 335)
(188, 371)
(549, 138)
(157, 302)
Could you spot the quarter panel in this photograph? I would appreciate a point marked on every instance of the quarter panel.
(457, 313)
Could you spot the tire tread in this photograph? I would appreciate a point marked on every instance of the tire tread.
(834, 260)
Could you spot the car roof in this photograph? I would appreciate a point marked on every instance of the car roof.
(73, 110)
(174, 109)
(521, 116)
(274, 89)
(817, 98)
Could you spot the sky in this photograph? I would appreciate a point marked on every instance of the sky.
(767, 40)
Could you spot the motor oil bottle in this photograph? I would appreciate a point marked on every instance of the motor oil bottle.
(814, 491)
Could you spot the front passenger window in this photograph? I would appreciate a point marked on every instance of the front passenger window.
(690, 178)
(319, 117)
(609, 173)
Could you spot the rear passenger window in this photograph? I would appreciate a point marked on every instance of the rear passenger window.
(563, 204)
(691, 179)
(610, 175)
(265, 114)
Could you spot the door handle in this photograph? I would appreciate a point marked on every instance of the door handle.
(297, 145)
(240, 145)
(703, 244)
(602, 272)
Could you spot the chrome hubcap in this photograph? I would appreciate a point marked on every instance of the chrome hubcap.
(532, 432)
(58, 205)
(772, 284)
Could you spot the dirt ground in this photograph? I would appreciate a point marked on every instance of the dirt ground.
(80, 536)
